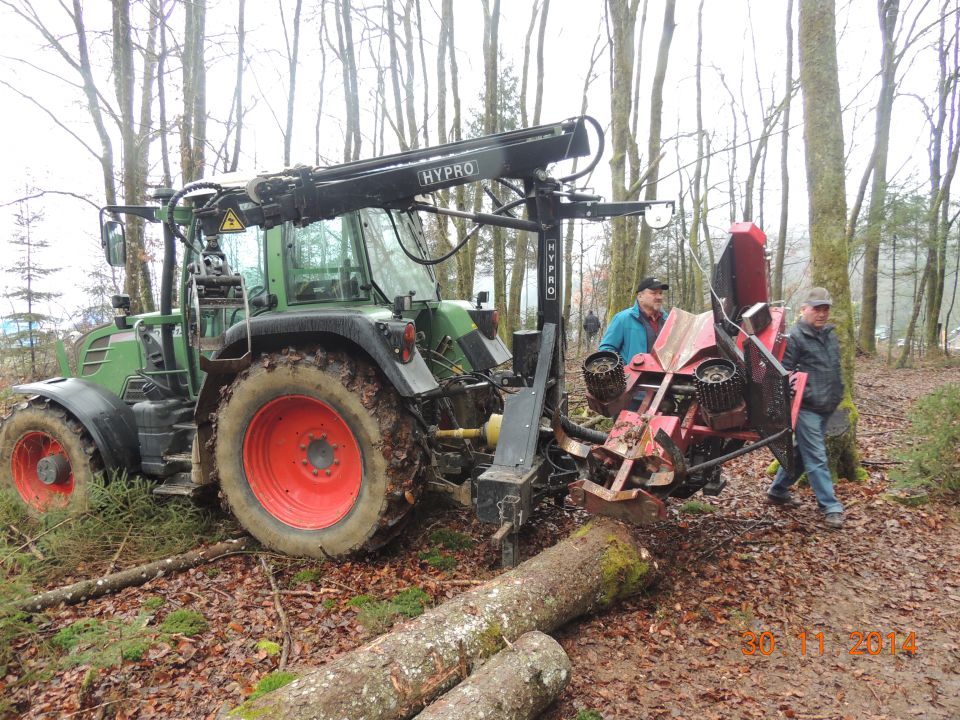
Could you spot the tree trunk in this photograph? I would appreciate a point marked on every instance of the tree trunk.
(518, 683)
(395, 75)
(887, 10)
(654, 141)
(622, 18)
(89, 589)
(293, 53)
(823, 140)
(396, 674)
(351, 95)
(940, 186)
(784, 152)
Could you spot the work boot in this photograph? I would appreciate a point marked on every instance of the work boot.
(789, 501)
(834, 520)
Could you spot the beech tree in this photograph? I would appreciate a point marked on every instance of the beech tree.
(823, 141)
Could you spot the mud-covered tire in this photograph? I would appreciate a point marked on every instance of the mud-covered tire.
(316, 455)
(47, 457)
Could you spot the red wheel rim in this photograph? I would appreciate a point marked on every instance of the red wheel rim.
(30, 450)
(302, 462)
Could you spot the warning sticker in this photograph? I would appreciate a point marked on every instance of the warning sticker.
(231, 222)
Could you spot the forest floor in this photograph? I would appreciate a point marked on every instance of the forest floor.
(720, 635)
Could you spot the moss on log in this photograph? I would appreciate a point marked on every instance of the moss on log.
(397, 674)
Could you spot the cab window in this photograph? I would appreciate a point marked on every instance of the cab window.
(322, 262)
(244, 252)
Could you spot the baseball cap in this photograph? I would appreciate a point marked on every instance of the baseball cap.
(652, 283)
(818, 296)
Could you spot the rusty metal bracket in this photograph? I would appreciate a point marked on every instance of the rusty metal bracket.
(634, 506)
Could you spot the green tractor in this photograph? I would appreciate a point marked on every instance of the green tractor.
(313, 375)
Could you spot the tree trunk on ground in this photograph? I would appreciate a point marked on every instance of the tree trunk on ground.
(823, 140)
(518, 683)
(396, 674)
(89, 589)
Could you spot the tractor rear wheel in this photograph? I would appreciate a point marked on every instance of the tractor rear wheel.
(316, 455)
(47, 457)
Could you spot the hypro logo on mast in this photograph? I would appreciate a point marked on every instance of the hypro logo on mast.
(446, 173)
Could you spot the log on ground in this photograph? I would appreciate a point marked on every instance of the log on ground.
(518, 683)
(398, 673)
(85, 590)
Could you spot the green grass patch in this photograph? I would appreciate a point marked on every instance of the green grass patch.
(697, 507)
(931, 461)
(329, 603)
(153, 603)
(437, 559)
(451, 540)
(360, 601)
(303, 577)
(589, 715)
(378, 616)
(184, 622)
(103, 643)
(273, 681)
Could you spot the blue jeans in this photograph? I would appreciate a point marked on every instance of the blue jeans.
(810, 455)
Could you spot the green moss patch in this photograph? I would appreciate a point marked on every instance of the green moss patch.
(622, 571)
(184, 622)
(451, 540)
(439, 560)
(697, 507)
(379, 616)
(271, 682)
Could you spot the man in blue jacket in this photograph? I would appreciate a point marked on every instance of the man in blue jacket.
(635, 329)
(813, 348)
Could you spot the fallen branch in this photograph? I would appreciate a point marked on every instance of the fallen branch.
(284, 625)
(34, 550)
(518, 683)
(33, 540)
(399, 672)
(880, 462)
(88, 589)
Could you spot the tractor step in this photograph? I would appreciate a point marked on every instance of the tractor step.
(179, 484)
(715, 487)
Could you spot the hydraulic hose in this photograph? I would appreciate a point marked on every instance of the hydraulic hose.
(598, 437)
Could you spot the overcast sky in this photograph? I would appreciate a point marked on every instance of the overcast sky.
(742, 41)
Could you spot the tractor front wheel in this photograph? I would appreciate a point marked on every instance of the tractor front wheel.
(46, 457)
(316, 455)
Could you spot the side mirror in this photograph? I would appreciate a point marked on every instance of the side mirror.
(114, 243)
(482, 297)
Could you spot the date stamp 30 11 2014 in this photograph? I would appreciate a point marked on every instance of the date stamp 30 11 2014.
(814, 644)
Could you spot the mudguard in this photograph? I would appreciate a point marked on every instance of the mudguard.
(108, 419)
(410, 379)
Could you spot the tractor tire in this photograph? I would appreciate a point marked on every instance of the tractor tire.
(316, 455)
(47, 457)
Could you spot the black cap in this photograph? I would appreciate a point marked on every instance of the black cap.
(652, 283)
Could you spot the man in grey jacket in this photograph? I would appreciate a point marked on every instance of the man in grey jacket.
(813, 348)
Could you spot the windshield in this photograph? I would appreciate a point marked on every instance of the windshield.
(394, 272)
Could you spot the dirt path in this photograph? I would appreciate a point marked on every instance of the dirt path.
(675, 653)
(748, 569)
